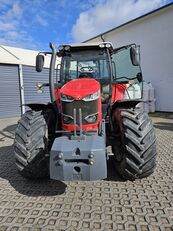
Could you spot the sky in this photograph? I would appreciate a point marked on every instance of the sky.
(32, 24)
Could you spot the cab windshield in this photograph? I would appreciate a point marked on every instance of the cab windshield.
(81, 64)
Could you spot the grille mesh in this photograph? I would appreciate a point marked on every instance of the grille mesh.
(88, 108)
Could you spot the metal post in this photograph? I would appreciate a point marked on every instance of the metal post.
(74, 116)
(80, 120)
(21, 86)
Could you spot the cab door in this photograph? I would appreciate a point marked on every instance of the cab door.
(127, 75)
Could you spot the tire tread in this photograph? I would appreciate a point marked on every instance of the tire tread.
(30, 145)
(138, 144)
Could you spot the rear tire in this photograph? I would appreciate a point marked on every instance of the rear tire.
(135, 149)
(32, 144)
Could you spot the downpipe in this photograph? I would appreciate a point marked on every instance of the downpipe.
(51, 73)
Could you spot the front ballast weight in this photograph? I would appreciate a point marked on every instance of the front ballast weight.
(79, 157)
(82, 159)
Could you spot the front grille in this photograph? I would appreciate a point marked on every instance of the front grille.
(87, 107)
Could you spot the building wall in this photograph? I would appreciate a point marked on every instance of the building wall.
(10, 98)
(16, 63)
(155, 35)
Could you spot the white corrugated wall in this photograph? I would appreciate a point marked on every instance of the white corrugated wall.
(155, 35)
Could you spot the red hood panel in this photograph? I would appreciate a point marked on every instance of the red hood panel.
(78, 88)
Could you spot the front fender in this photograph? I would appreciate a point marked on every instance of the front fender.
(40, 106)
(125, 103)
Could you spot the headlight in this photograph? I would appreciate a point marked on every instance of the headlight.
(92, 96)
(66, 98)
(101, 45)
(108, 45)
(91, 118)
(105, 44)
(67, 119)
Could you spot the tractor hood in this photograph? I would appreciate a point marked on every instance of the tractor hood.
(79, 88)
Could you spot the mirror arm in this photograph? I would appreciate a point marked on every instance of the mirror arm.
(48, 53)
(44, 53)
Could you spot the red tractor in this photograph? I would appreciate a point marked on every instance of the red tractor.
(93, 114)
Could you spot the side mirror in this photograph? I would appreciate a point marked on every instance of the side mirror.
(39, 63)
(135, 55)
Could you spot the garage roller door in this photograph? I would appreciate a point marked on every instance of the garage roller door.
(9, 91)
(30, 78)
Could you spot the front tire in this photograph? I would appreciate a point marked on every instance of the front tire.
(32, 144)
(135, 148)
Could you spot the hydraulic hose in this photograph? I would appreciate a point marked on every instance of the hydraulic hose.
(52, 73)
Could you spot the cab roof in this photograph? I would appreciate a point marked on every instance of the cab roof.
(85, 46)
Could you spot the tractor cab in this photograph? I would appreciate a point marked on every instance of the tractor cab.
(117, 70)
(88, 62)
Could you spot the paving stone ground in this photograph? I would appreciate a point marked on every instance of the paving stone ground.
(111, 204)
